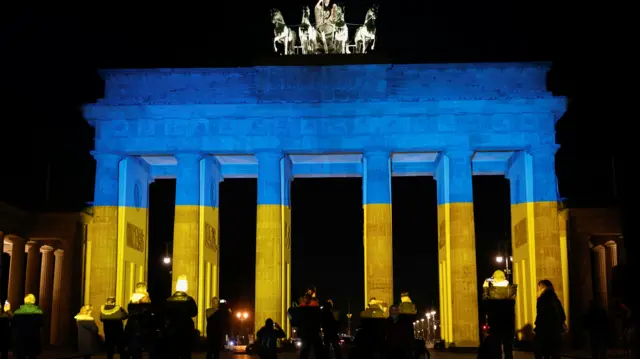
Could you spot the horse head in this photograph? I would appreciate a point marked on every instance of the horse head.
(306, 13)
(276, 16)
(372, 13)
(340, 12)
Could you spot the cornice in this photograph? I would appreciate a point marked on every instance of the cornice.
(324, 84)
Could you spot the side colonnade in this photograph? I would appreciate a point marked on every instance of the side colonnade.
(119, 236)
(46, 277)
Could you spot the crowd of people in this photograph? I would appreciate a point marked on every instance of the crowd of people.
(166, 329)
(163, 330)
(384, 332)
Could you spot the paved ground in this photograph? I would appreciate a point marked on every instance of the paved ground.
(434, 355)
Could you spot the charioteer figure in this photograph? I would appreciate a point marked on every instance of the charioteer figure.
(325, 13)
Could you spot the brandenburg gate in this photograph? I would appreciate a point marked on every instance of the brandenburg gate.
(201, 126)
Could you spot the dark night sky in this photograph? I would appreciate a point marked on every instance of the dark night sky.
(50, 57)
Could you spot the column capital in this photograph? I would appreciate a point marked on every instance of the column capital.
(544, 150)
(459, 152)
(58, 252)
(46, 249)
(17, 241)
(183, 157)
(376, 153)
(107, 156)
(269, 155)
(31, 244)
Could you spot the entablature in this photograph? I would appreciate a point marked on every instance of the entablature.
(320, 84)
(102, 112)
(357, 133)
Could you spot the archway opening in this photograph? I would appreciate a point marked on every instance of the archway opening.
(492, 216)
(237, 274)
(162, 199)
(327, 241)
(415, 248)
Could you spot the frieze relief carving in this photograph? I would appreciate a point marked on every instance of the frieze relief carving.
(135, 237)
(210, 237)
(287, 235)
(521, 233)
(293, 127)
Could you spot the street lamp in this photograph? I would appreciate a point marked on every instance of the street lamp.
(504, 257)
(242, 316)
(166, 260)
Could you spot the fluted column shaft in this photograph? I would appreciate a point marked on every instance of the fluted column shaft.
(611, 249)
(46, 288)
(268, 295)
(104, 229)
(16, 273)
(378, 241)
(457, 248)
(600, 275)
(32, 283)
(56, 302)
(186, 229)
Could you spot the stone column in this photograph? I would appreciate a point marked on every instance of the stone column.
(56, 304)
(104, 229)
(16, 273)
(285, 179)
(536, 242)
(46, 288)
(457, 248)
(186, 230)
(599, 261)
(2, 298)
(209, 247)
(32, 283)
(378, 239)
(611, 250)
(269, 265)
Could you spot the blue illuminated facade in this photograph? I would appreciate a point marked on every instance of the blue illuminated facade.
(272, 123)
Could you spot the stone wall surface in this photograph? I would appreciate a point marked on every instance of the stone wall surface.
(325, 108)
(416, 82)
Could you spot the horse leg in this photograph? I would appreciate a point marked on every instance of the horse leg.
(324, 43)
(275, 48)
(373, 43)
